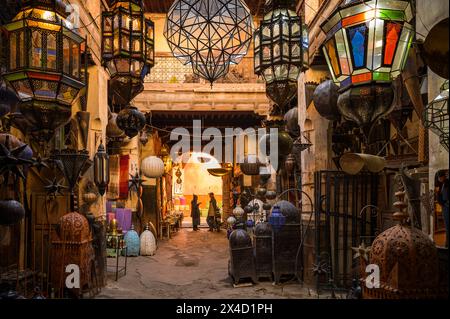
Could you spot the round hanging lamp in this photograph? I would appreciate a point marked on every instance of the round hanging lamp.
(44, 64)
(128, 51)
(210, 35)
(152, 167)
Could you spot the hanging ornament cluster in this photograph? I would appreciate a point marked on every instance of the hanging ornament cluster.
(281, 51)
(44, 65)
(209, 34)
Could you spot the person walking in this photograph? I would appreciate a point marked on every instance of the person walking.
(213, 208)
(195, 213)
(443, 200)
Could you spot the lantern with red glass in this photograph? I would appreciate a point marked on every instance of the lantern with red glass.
(366, 48)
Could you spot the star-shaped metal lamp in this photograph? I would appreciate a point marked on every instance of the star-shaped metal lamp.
(54, 187)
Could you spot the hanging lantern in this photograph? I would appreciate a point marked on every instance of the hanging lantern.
(209, 34)
(281, 51)
(44, 64)
(325, 100)
(152, 167)
(251, 165)
(366, 48)
(437, 116)
(101, 169)
(279, 137)
(291, 119)
(131, 121)
(127, 50)
(112, 130)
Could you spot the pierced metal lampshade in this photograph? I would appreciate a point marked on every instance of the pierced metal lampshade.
(44, 64)
(209, 34)
(131, 121)
(437, 116)
(281, 51)
(128, 51)
(71, 163)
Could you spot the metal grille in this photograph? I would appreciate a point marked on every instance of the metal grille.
(341, 222)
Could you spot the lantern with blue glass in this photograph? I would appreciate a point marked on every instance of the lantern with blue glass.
(366, 48)
(281, 51)
(276, 219)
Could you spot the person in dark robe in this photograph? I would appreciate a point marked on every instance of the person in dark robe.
(212, 210)
(195, 213)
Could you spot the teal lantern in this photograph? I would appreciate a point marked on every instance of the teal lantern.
(132, 241)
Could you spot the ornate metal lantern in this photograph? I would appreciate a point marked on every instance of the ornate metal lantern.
(281, 51)
(131, 121)
(101, 169)
(437, 116)
(127, 50)
(209, 34)
(44, 64)
(366, 48)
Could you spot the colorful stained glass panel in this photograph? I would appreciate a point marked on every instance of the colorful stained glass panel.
(332, 54)
(357, 38)
(392, 36)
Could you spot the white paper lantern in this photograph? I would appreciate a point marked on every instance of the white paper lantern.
(148, 243)
(152, 167)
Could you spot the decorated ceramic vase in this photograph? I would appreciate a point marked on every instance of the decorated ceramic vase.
(132, 241)
(148, 243)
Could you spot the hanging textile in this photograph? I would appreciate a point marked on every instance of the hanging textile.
(124, 176)
(114, 177)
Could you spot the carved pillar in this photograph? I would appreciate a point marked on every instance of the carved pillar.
(226, 193)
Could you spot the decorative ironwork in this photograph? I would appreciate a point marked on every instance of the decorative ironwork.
(209, 34)
(101, 169)
(437, 116)
(128, 51)
(281, 51)
(44, 65)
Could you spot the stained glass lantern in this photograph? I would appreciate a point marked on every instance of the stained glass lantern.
(44, 64)
(368, 41)
(437, 117)
(210, 35)
(101, 169)
(128, 50)
(281, 51)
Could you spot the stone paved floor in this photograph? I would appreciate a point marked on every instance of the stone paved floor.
(192, 265)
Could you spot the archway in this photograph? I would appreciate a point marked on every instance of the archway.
(192, 178)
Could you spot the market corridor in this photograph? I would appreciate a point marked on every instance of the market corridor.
(190, 265)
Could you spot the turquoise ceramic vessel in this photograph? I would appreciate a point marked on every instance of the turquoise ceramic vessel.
(133, 242)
